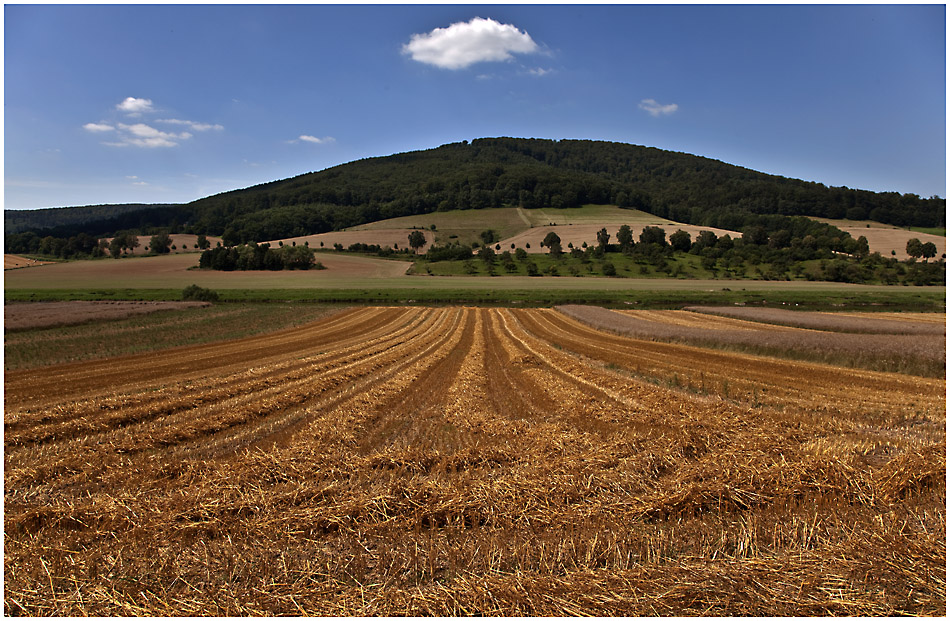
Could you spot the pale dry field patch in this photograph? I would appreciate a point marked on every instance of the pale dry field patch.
(885, 238)
(179, 240)
(13, 261)
(385, 238)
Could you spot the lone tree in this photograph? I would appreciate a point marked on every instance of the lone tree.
(553, 243)
(914, 248)
(680, 240)
(417, 240)
(653, 235)
(602, 238)
(625, 237)
(159, 244)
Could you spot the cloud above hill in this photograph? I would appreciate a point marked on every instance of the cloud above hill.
(654, 108)
(463, 44)
(143, 134)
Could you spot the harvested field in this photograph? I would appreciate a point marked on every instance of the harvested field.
(385, 238)
(137, 334)
(184, 243)
(14, 261)
(45, 314)
(689, 319)
(456, 461)
(868, 323)
(885, 238)
(934, 318)
(903, 350)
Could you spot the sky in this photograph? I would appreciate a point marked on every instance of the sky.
(171, 103)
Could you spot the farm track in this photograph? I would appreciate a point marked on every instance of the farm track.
(387, 461)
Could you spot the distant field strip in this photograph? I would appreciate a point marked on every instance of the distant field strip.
(458, 461)
(906, 323)
(108, 336)
(907, 347)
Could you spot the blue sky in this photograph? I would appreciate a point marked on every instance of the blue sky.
(170, 103)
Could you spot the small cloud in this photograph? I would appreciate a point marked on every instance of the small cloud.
(540, 72)
(198, 127)
(142, 135)
(145, 135)
(133, 106)
(465, 43)
(98, 127)
(654, 108)
(312, 139)
(131, 176)
(140, 183)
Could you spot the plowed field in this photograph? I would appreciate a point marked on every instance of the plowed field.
(393, 461)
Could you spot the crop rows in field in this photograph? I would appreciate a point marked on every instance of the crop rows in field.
(877, 344)
(456, 461)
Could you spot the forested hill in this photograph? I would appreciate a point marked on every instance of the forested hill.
(531, 173)
(16, 220)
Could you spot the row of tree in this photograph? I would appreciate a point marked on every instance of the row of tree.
(84, 246)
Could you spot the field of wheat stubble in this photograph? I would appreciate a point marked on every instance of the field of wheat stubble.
(455, 461)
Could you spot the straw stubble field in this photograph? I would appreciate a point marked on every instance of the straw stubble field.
(389, 461)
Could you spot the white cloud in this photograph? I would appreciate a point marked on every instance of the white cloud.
(538, 71)
(465, 43)
(198, 127)
(142, 135)
(133, 106)
(312, 139)
(145, 135)
(98, 127)
(656, 109)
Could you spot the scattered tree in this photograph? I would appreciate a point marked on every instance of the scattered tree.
(417, 240)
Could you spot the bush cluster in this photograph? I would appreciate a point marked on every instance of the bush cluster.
(258, 257)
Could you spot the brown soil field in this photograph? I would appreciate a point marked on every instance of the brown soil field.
(383, 237)
(460, 461)
(178, 239)
(45, 314)
(578, 234)
(884, 238)
(920, 353)
(13, 261)
(179, 271)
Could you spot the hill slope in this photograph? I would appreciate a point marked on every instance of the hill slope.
(527, 173)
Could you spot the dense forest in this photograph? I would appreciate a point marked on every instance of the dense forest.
(496, 172)
(17, 220)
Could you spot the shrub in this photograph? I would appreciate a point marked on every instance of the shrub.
(198, 294)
